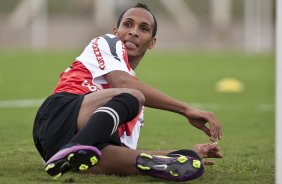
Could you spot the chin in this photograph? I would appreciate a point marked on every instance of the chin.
(131, 54)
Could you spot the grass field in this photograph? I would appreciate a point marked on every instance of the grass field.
(247, 118)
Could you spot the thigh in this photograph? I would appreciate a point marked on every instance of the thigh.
(94, 100)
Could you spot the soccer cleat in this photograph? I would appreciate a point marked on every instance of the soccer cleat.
(174, 167)
(186, 152)
(75, 158)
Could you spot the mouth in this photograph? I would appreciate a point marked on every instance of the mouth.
(130, 44)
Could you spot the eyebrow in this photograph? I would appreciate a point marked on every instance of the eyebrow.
(142, 23)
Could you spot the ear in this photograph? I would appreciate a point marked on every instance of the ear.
(152, 43)
(114, 31)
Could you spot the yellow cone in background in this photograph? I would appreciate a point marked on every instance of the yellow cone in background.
(229, 85)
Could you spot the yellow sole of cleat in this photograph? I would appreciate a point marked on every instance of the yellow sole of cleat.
(146, 155)
(196, 164)
(57, 176)
(49, 166)
(182, 159)
(173, 174)
(70, 156)
(83, 167)
(144, 168)
(93, 160)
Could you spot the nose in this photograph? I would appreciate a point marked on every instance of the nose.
(134, 31)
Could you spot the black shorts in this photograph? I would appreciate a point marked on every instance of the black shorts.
(56, 123)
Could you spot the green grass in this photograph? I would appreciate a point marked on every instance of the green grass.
(247, 118)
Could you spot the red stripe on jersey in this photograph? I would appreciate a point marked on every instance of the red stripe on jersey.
(106, 86)
(76, 79)
(128, 127)
(125, 57)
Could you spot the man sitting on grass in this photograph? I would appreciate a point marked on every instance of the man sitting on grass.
(95, 113)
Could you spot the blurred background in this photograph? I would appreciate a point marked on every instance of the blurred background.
(243, 25)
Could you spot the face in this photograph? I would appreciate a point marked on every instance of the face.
(135, 31)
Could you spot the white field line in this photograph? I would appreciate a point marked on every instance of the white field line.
(234, 107)
(26, 103)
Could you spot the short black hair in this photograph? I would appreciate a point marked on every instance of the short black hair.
(144, 6)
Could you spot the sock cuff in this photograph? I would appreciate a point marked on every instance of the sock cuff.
(110, 111)
(130, 102)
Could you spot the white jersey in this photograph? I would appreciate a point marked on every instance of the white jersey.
(101, 56)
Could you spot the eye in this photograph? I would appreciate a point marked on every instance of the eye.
(145, 28)
(127, 24)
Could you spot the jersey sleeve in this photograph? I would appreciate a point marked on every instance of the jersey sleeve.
(104, 55)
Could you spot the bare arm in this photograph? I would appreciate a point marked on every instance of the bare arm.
(159, 100)
(154, 98)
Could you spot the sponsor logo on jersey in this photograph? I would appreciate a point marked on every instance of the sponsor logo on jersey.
(91, 87)
(98, 54)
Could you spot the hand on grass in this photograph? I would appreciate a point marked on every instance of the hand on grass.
(208, 151)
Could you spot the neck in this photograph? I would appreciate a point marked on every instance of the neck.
(134, 61)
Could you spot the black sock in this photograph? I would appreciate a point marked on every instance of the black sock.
(106, 119)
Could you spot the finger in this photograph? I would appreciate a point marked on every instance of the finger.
(212, 147)
(206, 130)
(220, 134)
(218, 155)
(214, 154)
(217, 148)
(213, 151)
(215, 144)
(208, 162)
(217, 130)
(212, 126)
(209, 146)
(215, 126)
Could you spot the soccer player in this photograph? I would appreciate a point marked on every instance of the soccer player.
(95, 113)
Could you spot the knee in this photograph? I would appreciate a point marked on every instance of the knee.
(138, 95)
(133, 100)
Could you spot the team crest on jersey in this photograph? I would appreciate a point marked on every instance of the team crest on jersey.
(98, 54)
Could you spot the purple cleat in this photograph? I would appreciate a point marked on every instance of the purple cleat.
(174, 167)
(75, 158)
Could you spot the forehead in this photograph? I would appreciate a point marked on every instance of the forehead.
(140, 15)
